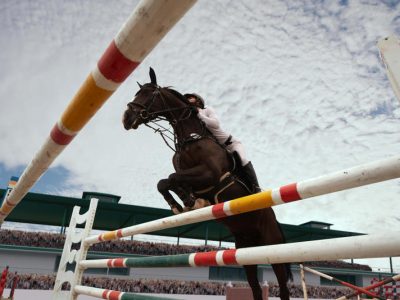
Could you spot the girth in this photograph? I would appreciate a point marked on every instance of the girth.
(226, 180)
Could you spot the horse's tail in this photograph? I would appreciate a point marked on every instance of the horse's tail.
(287, 265)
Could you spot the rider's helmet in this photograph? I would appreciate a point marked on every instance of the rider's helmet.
(199, 99)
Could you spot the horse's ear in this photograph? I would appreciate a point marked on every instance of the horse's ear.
(140, 86)
(153, 77)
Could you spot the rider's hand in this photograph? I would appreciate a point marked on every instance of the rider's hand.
(194, 110)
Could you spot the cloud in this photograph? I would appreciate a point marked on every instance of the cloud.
(300, 83)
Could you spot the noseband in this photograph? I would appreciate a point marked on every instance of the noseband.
(144, 113)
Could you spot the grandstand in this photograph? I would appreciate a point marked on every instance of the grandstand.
(36, 255)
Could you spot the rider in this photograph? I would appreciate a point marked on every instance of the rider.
(210, 119)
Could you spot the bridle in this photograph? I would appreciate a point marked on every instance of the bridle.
(147, 116)
(152, 118)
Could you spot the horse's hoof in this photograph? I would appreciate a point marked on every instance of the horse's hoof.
(200, 203)
(189, 201)
(176, 211)
(187, 208)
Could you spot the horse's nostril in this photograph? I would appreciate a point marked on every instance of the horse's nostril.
(135, 124)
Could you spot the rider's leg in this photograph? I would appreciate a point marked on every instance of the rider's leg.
(247, 167)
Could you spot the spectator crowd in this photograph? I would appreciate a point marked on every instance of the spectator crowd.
(46, 282)
(53, 240)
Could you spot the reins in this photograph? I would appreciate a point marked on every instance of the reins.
(153, 118)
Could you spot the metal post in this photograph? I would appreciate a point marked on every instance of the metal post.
(391, 264)
(206, 239)
(64, 221)
(134, 223)
(303, 282)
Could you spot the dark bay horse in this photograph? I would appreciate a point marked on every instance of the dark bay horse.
(204, 170)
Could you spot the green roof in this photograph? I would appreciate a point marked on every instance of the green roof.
(56, 210)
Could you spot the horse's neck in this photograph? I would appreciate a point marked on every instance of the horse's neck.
(184, 122)
(186, 129)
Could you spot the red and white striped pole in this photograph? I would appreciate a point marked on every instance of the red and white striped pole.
(372, 286)
(146, 26)
(359, 290)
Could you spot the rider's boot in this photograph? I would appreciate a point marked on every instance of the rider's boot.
(250, 173)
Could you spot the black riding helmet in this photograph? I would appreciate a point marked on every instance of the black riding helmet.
(199, 99)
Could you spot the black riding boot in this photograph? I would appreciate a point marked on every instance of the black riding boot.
(251, 177)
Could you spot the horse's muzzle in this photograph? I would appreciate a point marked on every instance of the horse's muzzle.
(130, 120)
(135, 123)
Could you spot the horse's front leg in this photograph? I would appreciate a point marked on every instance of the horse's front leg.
(199, 177)
(164, 186)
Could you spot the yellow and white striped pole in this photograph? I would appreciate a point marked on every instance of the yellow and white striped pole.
(357, 176)
(146, 26)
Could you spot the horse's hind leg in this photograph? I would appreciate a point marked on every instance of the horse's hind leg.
(243, 241)
(163, 187)
(272, 234)
(282, 276)
(251, 273)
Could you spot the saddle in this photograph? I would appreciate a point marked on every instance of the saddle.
(238, 171)
(234, 176)
(227, 179)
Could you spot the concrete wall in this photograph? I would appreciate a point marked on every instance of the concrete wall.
(269, 275)
(199, 274)
(28, 261)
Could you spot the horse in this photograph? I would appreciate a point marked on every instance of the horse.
(204, 170)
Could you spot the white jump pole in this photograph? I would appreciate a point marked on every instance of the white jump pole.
(389, 48)
(364, 246)
(369, 173)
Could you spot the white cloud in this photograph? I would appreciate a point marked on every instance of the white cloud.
(298, 83)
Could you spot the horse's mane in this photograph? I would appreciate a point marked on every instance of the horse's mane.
(167, 89)
(176, 94)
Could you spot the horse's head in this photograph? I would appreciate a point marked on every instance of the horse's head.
(152, 102)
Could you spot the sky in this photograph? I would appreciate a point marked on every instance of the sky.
(300, 83)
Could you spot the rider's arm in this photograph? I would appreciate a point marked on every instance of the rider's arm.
(209, 117)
